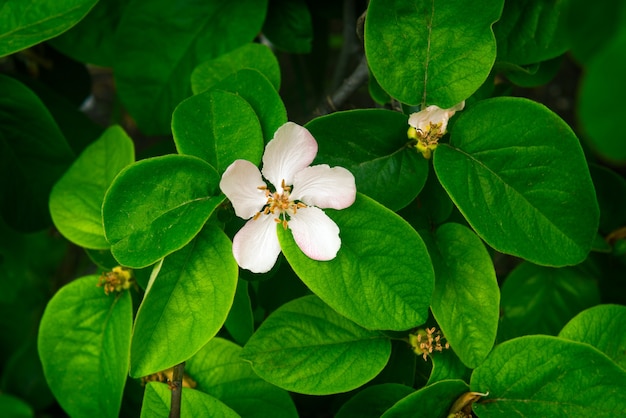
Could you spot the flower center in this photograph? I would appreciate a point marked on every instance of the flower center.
(280, 205)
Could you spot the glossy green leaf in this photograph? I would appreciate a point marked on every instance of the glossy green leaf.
(84, 342)
(517, 173)
(531, 31)
(436, 399)
(371, 143)
(186, 304)
(466, 299)
(601, 101)
(252, 56)
(447, 365)
(219, 371)
(156, 206)
(261, 95)
(542, 376)
(14, 407)
(240, 321)
(540, 300)
(431, 52)
(158, 398)
(76, 199)
(306, 347)
(382, 277)
(33, 155)
(219, 127)
(288, 26)
(24, 24)
(92, 39)
(602, 327)
(373, 401)
(535, 75)
(175, 37)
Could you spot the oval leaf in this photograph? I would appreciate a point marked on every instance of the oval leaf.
(540, 300)
(306, 347)
(253, 56)
(76, 199)
(84, 342)
(219, 371)
(517, 173)
(540, 376)
(158, 398)
(24, 24)
(374, 150)
(218, 127)
(466, 299)
(602, 327)
(175, 37)
(436, 399)
(188, 302)
(156, 206)
(430, 52)
(382, 277)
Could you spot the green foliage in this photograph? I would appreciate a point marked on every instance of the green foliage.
(461, 252)
(84, 346)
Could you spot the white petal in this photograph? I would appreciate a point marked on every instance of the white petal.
(240, 183)
(315, 233)
(432, 114)
(256, 246)
(456, 108)
(324, 187)
(292, 149)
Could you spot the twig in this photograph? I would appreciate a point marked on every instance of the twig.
(349, 43)
(177, 390)
(349, 86)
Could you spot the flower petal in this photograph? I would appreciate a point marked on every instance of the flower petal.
(240, 183)
(256, 246)
(315, 233)
(292, 149)
(324, 187)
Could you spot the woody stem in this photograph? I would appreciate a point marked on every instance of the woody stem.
(177, 390)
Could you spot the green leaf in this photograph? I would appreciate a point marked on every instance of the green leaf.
(446, 366)
(251, 56)
(517, 173)
(240, 322)
(602, 327)
(158, 396)
(431, 52)
(84, 341)
(542, 376)
(436, 399)
(33, 155)
(540, 300)
(432, 206)
(611, 192)
(218, 127)
(76, 199)
(186, 304)
(289, 26)
(261, 95)
(373, 401)
(92, 39)
(530, 31)
(14, 407)
(600, 102)
(156, 206)
(466, 299)
(219, 371)
(175, 37)
(382, 277)
(24, 24)
(306, 347)
(374, 150)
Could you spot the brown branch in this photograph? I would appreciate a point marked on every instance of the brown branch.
(177, 390)
(349, 86)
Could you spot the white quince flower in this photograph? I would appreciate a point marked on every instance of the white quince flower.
(299, 193)
(430, 124)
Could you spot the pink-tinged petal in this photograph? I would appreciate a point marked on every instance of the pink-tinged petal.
(256, 246)
(324, 187)
(456, 108)
(292, 149)
(240, 183)
(315, 233)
